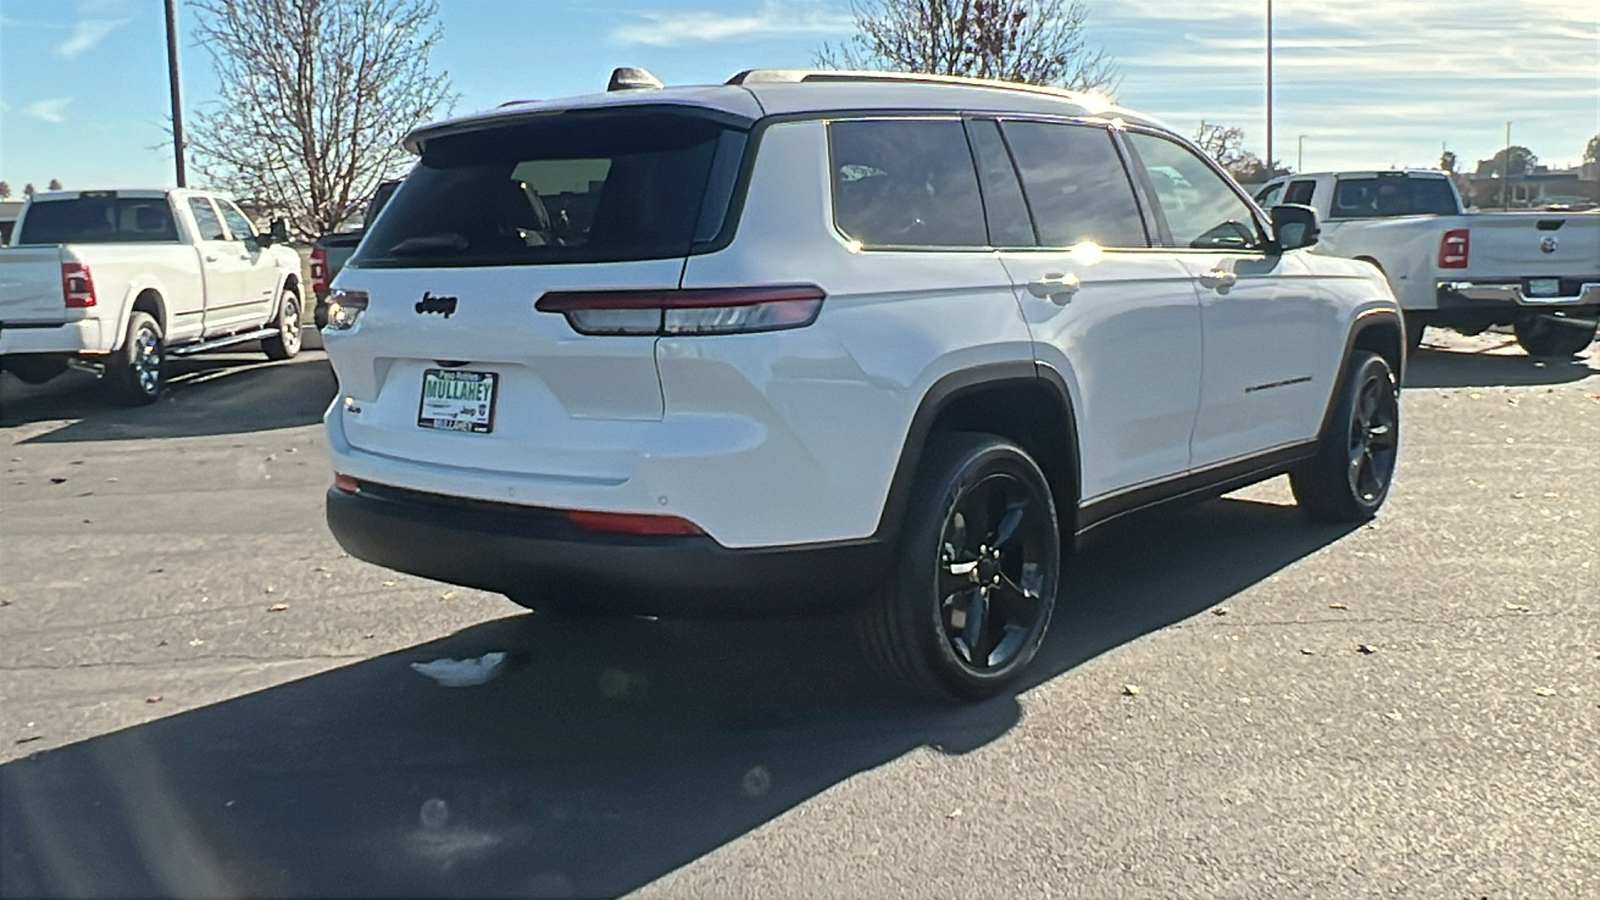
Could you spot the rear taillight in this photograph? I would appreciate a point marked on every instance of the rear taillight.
(1454, 248)
(346, 483)
(631, 523)
(344, 308)
(319, 271)
(686, 312)
(77, 287)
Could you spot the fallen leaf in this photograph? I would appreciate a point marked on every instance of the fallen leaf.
(196, 642)
(278, 607)
(270, 589)
(1307, 651)
(1130, 690)
(1551, 495)
(953, 814)
(29, 738)
(155, 699)
(57, 479)
(1518, 495)
(1221, 611)
(389, 584)
(1337, 606)
(1366, 648)
(447, 595)
(1392, 715)
(1475, 395)
(1544, 691)
(1517, 607)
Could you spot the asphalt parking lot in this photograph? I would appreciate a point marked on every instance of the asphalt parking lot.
(200, 695)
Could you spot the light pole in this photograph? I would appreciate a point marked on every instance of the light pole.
(1505, 171)
(177, 100)
(1269, 85)
(1300, 155)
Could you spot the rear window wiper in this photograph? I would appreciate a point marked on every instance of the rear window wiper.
(427, 244)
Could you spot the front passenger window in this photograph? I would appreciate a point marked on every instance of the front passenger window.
(1202, 210)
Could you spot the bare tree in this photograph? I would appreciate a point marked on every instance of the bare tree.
(5, 190)
(1591, 151)
(28, 190)
(315, 96)
(1032, 41)
(1448, 161)
(1226, 146)
(54, 185)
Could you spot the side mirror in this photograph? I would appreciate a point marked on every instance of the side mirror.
(1294, 226)
(279, 231)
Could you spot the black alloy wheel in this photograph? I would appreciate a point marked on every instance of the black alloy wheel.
(1354, 467)
(979, 564)
(1557, 335)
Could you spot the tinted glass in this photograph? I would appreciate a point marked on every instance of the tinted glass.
(1009, 224)
(237, 223)
(98, 220)
(1075, 185)
(205, 218)
(579, 188)
(1392, 195)
(1270, 197)
(905, 183)
(1201, 208)
(1300, 192)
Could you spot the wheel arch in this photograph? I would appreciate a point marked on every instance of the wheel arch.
(1379, 331)
(146, 297)
(1022, 401)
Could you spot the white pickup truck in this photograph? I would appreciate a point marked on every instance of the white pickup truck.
(117, 281)
(1538, 272)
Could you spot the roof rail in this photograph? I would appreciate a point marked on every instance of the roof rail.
(800, 76)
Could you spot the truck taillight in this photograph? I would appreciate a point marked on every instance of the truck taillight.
(1454, 248)
(686, 312)
(77, 287)
(319, 271)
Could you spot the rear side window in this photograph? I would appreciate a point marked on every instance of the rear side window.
(1300, 192)
(1201, 208)
(205, 219)
(1007, 212)
(1392, 195)
(905, 183)
(1076, 185)
(1270, 197)
(98, 220)
(601, 187)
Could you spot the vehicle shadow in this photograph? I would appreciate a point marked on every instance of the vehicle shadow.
(1432, 367)
(210, 394)
(607, 755)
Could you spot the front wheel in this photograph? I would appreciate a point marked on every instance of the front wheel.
(286, 343)
(1349, 477)
(979, 561)
(1553, 335)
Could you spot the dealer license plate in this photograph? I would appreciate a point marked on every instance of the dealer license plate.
(1544, 287)
(457, 400)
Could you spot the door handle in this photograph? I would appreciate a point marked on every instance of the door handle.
(1217, 279)
(1056, 287)
(211, 257)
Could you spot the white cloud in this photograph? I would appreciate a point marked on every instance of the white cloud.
(96, 19)
(48, 110)
(701, 26)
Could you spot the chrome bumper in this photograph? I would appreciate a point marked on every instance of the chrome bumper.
(1588, 294)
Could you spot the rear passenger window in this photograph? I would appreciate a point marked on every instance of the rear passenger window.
(1201, 207)
(205, 218)
(1270, 197)
(905, 183)
(1075, 185)
(1300, 192)
(1007, 212)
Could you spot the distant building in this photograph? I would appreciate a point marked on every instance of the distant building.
(1576, 188)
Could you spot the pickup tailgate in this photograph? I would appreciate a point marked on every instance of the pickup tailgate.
(30, 285)
(1534, 245)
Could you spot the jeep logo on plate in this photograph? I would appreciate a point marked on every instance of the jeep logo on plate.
(1549, 244)
(432, 304)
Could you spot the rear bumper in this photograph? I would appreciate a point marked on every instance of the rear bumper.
(81, 336)
(534, 552)
(1572, 292)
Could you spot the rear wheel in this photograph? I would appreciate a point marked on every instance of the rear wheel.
(1350, 476)
(979, 562)
(1553, 335)
(286, 343)
(136, 373)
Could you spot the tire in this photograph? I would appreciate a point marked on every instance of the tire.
(136, 373)
(961, 620)
(286, 343)
(1549, 336)
(1350, 476)
(35, 369)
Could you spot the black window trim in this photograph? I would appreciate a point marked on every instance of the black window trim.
(1263, 231)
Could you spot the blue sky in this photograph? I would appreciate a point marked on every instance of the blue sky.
(1369, 83)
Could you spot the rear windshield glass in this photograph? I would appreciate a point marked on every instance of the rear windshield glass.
(574, 188)
(1391, 196)
(98, 220)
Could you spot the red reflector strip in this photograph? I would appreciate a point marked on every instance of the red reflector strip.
(631, 523)
(690, 298)
(346, 483)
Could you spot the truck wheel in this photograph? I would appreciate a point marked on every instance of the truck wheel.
(1349, 477)
(1550, 335)
(975, 581)
(286, 343)
(136, 373)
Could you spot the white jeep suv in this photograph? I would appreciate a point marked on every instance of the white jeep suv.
(817, 341)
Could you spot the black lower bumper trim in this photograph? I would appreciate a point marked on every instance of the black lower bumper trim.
(538, 553)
